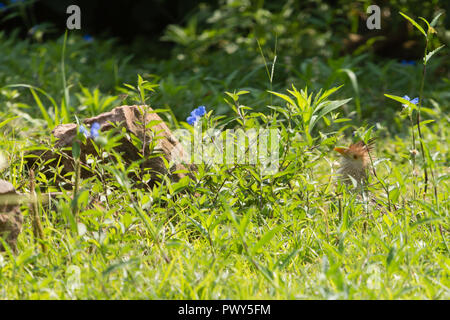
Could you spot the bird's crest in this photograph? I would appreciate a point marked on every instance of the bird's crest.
(361, 148)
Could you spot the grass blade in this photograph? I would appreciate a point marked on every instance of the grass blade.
(415, 24)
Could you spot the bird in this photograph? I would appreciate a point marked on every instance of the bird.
(355, 162)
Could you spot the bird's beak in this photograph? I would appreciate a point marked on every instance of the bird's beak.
(340, 150)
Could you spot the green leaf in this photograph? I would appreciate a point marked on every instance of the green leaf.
(390, 256)
(435, 19)
(302, 98)
(69, 217)
(129, 86)
(353, 79)
(431, 209)
(424, 220)
(430, 28)
(76, 150)
(232, 96)
(428, 56)
(425, 20)
(3, 123)
(181, 185)
(422, 123)
(394, 194)
(42, 108)
(81, 198)
(199, 226)
(265, 238)
(149, 86)
(116, 266)
(140, 80)
(243, 223)
(414, 24)
(330, 106)
(284, 97)
(64, 112)
(400, 99)
(282, 262)
(52, 101)
(327, 93)
(25, 257)
(444, 177)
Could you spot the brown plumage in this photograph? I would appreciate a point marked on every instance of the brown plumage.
(355, 161)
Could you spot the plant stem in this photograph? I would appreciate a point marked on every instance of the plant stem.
(413, 155)
(422, 149)
(63, 72)
(385, 187)
(34, 210)
(76, 188)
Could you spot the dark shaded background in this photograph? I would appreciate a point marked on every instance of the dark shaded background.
(126, 21)
(146, 21)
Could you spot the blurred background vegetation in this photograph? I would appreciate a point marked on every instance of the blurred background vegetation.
(198, 50)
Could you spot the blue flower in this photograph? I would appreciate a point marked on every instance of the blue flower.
(33, 29)
(200, 111)
(196, 114)
(88, 38)
(413, 101)
(191, 120)
(84, 131)
(408, 62)
(95, 127)
(2, 6)
(94, 133)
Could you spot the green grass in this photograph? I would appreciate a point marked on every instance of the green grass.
(232, 232)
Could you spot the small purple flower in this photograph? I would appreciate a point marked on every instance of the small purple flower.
(413, 101)
(196, 114)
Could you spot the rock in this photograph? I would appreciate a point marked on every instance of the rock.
(132, 119)
(10, 216)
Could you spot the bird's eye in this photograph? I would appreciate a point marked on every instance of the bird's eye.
(355, 157)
